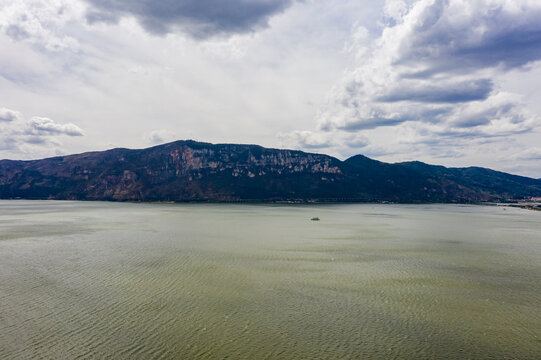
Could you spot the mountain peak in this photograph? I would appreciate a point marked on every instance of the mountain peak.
(188, 170)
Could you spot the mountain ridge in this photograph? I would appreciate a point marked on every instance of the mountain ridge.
(187, 170)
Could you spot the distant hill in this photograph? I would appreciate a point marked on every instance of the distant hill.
(196, 171)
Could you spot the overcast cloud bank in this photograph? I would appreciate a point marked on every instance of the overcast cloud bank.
(436, 65)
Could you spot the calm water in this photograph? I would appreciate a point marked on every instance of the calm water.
(153, 281)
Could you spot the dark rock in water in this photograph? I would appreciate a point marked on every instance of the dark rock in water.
(195, 171)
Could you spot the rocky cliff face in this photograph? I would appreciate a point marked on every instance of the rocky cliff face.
(241, 161)
(193, 171)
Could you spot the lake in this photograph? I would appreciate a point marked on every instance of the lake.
(215, 281)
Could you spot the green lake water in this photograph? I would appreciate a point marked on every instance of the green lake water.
(199, 281)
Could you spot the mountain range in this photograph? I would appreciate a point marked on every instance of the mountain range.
(195, 171)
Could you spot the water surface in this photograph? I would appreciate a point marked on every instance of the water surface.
(162, 281)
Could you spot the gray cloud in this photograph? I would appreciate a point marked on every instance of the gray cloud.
(371, 123)
(484, 117)
(444, 92)
(8, 143)
(199, 19)
(362, 117)
(450, 36)
(16, 32)
(356, 142)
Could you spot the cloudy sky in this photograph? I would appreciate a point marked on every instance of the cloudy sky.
(452, 82)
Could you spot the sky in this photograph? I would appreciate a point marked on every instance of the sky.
(450, 82)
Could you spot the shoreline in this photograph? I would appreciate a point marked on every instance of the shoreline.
(534, 206)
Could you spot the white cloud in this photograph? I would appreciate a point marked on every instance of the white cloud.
(395, 9)
(7, 115)
(336, 143)
(307, 140)
(40, 22)
(161, 136)
(45, 126)
(38, 135)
